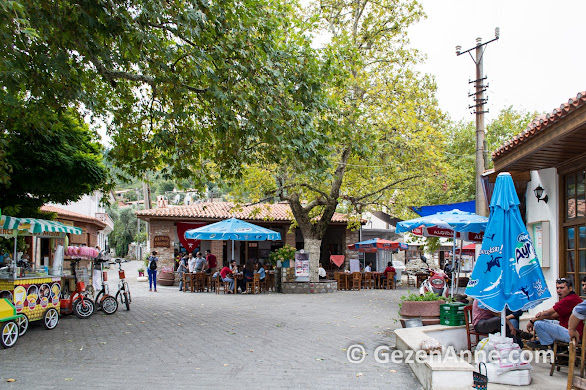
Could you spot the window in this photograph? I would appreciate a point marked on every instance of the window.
(573, 263)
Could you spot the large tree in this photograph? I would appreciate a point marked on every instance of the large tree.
(185, 88)
(382, 125)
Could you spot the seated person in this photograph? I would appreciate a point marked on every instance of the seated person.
(248, 273)
(552, 324)
(321, 272)
(389, 268)
(486, 321)
(368, 267)
(226, 275)
(576, 322)
(258, 268)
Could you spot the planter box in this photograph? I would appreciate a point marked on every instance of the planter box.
(428, 311)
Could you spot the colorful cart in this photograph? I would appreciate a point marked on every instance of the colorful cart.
(8, 323)
(35, 291)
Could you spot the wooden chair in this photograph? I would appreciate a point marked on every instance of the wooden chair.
(200, 281)
(368, 282)
(470, 328)
(356, 281)
(575, 382)
(270, 278)
(254, 285)
(389, 282)
(188, 281)
(411, 280)
(264, 285)
(341, 280)
(219, 284)
(562, 351)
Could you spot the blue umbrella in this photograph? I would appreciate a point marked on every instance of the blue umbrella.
(507, 272)
(232, 229)
(456, 220)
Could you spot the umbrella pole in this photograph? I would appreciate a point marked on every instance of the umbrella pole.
(503, 323)
(14, 263)
(232, 250)
(453, 264)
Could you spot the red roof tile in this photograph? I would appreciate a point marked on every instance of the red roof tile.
(541, 124)
(224, 210)
(67, 214)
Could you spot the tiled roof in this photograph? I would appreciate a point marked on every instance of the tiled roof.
(542, 123)
(66, 214)
(224, 210)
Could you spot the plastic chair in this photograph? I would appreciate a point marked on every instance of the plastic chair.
(470, 328)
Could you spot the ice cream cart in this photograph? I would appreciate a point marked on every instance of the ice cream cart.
(33, 289)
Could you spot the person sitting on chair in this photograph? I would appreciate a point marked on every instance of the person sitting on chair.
(576, 322)
(389, 268)
(368, 267)
(321, 272)
(227, 276)
(552, 324)
(487, 321)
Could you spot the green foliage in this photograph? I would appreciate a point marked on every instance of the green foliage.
(287, 252)
(427, 296)
(125, 229)
(47, 156)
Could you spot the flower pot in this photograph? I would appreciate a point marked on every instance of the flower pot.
(428, 311)
(140, 273)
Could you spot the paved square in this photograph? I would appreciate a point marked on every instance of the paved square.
(203, 340)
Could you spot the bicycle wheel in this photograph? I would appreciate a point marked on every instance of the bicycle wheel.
(128, 292)
(9, 334)
(22, 323)
(50, 318)
(83, 309)
(109, 304)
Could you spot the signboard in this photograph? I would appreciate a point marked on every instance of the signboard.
(302, 266)
(162, 241)
(434, 231)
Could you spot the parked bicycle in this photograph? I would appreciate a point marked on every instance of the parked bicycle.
(78, 302)
(104, 300)
(123, 293)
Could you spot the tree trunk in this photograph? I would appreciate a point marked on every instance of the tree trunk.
(312, 246)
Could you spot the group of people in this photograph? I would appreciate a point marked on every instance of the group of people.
(229, 271)
(190, 263)
(561, 322)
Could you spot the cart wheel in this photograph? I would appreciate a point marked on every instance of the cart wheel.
(22, 323)
(83, 309)
(9, 334)
(50, 318)
(109, 304)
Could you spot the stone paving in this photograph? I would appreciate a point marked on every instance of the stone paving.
(203, 340)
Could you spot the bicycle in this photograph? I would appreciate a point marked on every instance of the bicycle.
(104, 300)
(123, 293)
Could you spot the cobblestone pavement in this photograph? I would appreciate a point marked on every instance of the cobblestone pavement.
(203, 340)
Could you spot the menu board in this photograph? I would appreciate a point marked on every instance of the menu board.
(302, 266)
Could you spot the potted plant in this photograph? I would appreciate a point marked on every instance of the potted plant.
(282, 256)
(425, 307)
(141, 271)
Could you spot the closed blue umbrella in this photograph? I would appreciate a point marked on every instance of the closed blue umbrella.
(233, 229)
(507, 272)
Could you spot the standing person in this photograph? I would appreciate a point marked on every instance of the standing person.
(152, 270)
(191, 262)
(181, 269)
(212, 261)
(200, 262)
(552, 324)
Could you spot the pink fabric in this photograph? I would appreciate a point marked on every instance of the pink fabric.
(480, 314)
(337, 259)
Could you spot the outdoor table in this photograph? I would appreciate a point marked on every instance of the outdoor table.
(237, 277)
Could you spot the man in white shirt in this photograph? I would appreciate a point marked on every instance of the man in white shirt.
(368, 267)
(321, 272)
(191, 262)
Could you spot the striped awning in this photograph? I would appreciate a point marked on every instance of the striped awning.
(36, 226)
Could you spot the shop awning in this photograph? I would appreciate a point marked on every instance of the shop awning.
(12, 226)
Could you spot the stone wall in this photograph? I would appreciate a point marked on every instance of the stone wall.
(352, 237)
(328, 286)
(163, 228)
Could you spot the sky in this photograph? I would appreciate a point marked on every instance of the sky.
(537, 64)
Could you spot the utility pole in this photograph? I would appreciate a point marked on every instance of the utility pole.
(479, 109)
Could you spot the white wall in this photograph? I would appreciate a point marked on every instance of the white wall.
(540, 211)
